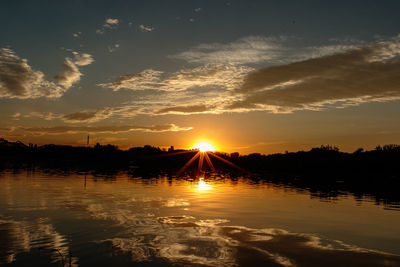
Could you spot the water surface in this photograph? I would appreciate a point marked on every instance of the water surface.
(50, 219)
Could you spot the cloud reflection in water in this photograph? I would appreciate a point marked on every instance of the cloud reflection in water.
(146, 222)
(23, 236)
(185, 240)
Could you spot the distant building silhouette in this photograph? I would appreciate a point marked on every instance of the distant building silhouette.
(235, 155)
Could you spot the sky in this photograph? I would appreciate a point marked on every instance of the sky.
(247, 76)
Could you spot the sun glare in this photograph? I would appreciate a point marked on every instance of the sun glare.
(202, 185)
(204, 147)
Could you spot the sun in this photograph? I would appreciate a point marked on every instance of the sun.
(204, 146)
(205, 150)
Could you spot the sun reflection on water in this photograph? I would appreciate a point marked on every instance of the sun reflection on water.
(202, 185)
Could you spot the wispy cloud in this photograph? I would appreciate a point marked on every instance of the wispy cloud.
(218, 75)
(206, 87)
(256, 49)
(89, 116)
(48, 116)
(147, 79)
(105, 129)
(16, 116)
(109, 24)
(198, 9)
(84, 116)
(145, 28)
(19, 80)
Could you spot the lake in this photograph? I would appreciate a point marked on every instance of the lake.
(55, 219)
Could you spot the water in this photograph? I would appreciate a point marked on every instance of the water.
(50, 219)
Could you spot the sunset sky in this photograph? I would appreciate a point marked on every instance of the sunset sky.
(248, 76)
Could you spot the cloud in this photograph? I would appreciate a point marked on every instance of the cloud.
(109, 24)
(82, 59)
(198, 9)
(113, 48)
(350, 77)
(48, 116)
(16, 116)
(343, 76)
(360, 75)
(257, 49)
(207, 87)
(218, 75)
(77, 34)
(147, 79)
(6, 129)
(70, 73)
(84, 116)
(224, 76)
(19, 80)
(105, 129)
(88, 115)
(144, 28)
(190, 109)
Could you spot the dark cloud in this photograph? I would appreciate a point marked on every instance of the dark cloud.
(184, 109)
(88, 115)
(19, 80)
(127, 111)
(360, 75)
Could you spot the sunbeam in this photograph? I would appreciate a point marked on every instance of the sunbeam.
(202, 167)
(227, 162)
(209, 161)
(188, 163)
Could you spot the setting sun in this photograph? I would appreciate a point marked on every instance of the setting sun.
(204, 147)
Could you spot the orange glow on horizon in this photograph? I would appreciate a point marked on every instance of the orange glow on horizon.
(204, 146)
